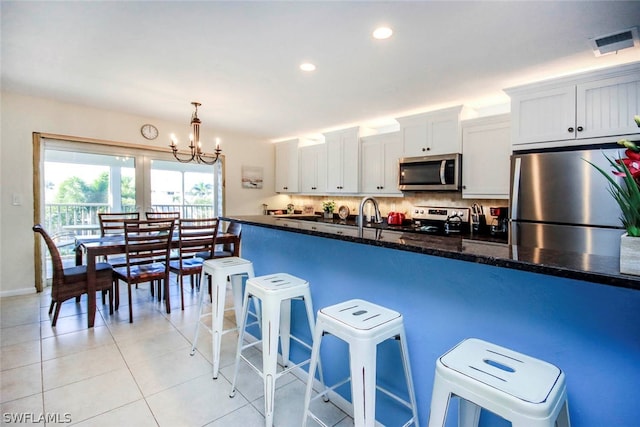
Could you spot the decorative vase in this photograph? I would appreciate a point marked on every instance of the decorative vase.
(328, 215)
(629, 255)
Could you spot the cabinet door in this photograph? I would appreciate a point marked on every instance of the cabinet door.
(414, 138)
(606, 107)
(342, 161)
(287, 167)
(486, 155)
(379, 165)
(313, 169)
(372, 165)
(544, 116)
(391, 152)
(444, 134)
(433, 133)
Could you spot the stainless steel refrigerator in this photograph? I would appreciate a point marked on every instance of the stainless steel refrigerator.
(559, 201)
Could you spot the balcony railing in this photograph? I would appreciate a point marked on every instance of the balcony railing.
(82, 218)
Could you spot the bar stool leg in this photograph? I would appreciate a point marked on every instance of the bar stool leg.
(236, 290)
(271, 318)
(409, 378)
(315, 357)
(219, 289)
(312, 327)
(200, 301)
(440, 399)
(363, 383)
(245, 314)
(468, 413)
(285, 330)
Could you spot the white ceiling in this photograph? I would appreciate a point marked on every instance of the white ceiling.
(240, 59)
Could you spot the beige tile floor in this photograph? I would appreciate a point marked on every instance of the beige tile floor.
(139, 374)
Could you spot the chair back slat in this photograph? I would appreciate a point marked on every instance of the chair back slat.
(113, 222)
(162, 215)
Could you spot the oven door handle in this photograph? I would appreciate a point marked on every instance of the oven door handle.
(443, 165)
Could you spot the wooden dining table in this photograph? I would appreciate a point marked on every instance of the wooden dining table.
(96, 246)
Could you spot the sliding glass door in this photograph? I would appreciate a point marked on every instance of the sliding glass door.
(78, 180)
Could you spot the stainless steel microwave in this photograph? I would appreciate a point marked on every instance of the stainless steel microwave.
(430, 173)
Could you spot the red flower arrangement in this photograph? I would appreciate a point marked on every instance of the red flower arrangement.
(632, 162)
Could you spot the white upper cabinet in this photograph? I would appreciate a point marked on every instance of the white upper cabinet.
(287, 166)
(432, 133)
(593, 107)
(486, 151)
(313, 169)
(342, 160)
(379, 164)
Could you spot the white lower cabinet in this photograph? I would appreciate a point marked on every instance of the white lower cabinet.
(486, 152)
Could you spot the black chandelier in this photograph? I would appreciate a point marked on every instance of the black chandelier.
(195, 146)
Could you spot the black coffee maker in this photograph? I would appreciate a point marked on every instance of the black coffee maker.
(500, 222)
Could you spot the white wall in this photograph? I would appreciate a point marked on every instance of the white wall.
(22, 115)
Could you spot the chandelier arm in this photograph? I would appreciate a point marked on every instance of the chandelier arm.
(183, 160)
(206, 159)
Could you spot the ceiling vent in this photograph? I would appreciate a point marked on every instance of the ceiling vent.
(611, 43)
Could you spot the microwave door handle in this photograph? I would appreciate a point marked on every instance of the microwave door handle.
(443, 163)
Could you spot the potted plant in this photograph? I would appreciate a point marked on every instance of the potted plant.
(327, 208)
(627, 195)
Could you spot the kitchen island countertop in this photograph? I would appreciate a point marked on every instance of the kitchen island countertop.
(472, 248)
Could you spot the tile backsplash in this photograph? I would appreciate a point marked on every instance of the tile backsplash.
(393, 204)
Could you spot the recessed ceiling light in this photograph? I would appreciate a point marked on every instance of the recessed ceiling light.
(382, 33)
(307, 66)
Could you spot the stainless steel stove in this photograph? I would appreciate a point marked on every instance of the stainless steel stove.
(440, 220)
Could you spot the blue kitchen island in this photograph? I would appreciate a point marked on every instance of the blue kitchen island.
(576, 312)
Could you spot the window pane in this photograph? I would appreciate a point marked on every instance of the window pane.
(79, 185)
(184, 187)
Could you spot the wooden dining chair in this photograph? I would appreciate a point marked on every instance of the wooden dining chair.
(71, 282)
(113, 222)
(147, 251)
(196, 236)
(162, 215)
(231, 249)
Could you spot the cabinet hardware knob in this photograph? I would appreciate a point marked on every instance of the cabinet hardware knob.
(570, 130)
(580, 128)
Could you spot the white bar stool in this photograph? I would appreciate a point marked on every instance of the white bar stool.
(526, 391)
(221, 268)
(275, 293)
(363, 325)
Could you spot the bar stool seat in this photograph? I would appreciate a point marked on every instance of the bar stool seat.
(363, 325)
(275, 292)
(235, 269)
(517, 387)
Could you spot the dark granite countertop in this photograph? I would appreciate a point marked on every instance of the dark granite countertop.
(473, 248)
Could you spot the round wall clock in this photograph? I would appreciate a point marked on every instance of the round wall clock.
(149, 131)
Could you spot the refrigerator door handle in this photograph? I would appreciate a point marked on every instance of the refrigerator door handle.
(515, 191)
